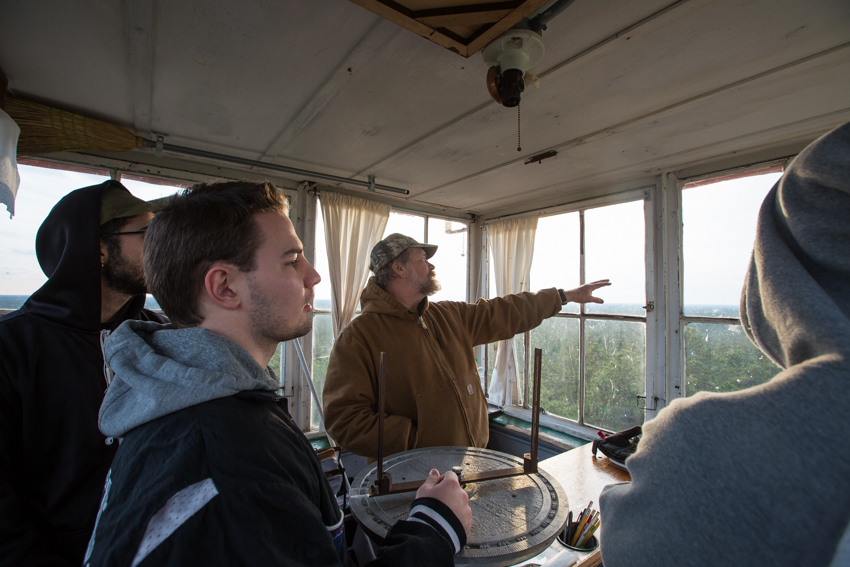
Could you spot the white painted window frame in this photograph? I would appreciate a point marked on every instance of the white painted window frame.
(665, 323)
(678, 320)
(655, 344)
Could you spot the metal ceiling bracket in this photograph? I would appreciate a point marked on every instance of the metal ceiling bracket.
(159, 145)
(371, 183)
(264, 165)
(540, 157)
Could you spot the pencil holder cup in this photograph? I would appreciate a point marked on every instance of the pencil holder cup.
(589, 545)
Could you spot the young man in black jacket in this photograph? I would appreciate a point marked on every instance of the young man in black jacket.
(212, 470)
(53, 459)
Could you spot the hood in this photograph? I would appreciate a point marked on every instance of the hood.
(375, 299)
(795, 304)
(68, 249)
(160, 370)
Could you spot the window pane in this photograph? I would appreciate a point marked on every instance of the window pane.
(409, 225)
(717, 239)
(557, 258)
(274, 363)
(450, 261)
(322, 291)
(615, 367)
(40, 189)
(322, 344)
(519, 341)
(148, 189)
(720, 358)
(559, 373)
(520, 355)
(614, 249)
(491, 359)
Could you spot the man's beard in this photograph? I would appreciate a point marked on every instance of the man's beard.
(120, 275)
(427, 286)
(265, 325)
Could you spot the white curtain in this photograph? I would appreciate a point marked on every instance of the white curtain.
(512, 245)
(352, 228)
(9, 179)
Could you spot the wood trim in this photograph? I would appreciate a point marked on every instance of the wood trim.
(465, 9)
(465, 19)
(388, 13)
(494, 18)
(503, 25)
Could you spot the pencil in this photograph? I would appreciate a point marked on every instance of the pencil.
(582, 520)
(589, 534)
(568, 528)
(580, 536)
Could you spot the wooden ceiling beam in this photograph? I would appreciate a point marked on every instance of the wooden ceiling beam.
(503, 25)
(410, 24)
(492, 18)
(465, 19)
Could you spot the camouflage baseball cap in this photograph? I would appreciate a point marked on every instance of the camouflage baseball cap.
(387, 249)
(116, 202)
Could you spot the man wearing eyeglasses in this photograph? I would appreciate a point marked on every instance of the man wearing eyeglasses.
(53, 458)
(121, 238)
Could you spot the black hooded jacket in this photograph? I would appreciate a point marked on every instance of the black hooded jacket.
(53, 458)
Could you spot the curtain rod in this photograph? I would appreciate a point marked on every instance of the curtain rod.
(159, 146)
(570, 206)
(466, 218)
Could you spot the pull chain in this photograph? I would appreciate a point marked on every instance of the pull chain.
(518, 144)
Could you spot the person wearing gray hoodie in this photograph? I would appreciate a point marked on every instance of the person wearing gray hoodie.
(211, 469)
(760, 476)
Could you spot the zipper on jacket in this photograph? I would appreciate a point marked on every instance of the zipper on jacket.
(448, 372)
(424, 326)
(108, 374)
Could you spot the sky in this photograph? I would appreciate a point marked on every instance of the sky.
(719, 222)
(40, 189)
(718, 235)
(719, 228)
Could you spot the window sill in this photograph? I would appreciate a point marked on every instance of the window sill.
(557, 427)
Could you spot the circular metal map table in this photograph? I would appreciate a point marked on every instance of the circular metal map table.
(513, 519)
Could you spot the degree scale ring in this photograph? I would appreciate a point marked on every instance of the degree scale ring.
(513, 519)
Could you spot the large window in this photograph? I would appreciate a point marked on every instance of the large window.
(450, 264)
(596, 367)
(43, 184)
(41, 188)
(593, 355)
(719, 222)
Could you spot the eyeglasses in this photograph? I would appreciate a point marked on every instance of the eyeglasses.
(140, 231)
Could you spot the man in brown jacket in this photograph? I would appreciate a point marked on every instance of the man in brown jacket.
(433, 395)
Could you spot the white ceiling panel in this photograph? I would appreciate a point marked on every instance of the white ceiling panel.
(631, 81)
(626, 88)
(807, 100)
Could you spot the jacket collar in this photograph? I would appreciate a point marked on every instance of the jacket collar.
(376, 299)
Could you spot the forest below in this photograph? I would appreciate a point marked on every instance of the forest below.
(718, 358)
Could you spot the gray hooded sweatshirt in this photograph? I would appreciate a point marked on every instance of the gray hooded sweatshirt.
(159, 370)
(761, 476)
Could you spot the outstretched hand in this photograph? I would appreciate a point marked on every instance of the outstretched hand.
(584, 294)
(447, 490)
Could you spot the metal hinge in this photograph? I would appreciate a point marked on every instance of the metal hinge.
(650, 306)
(645, 407)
